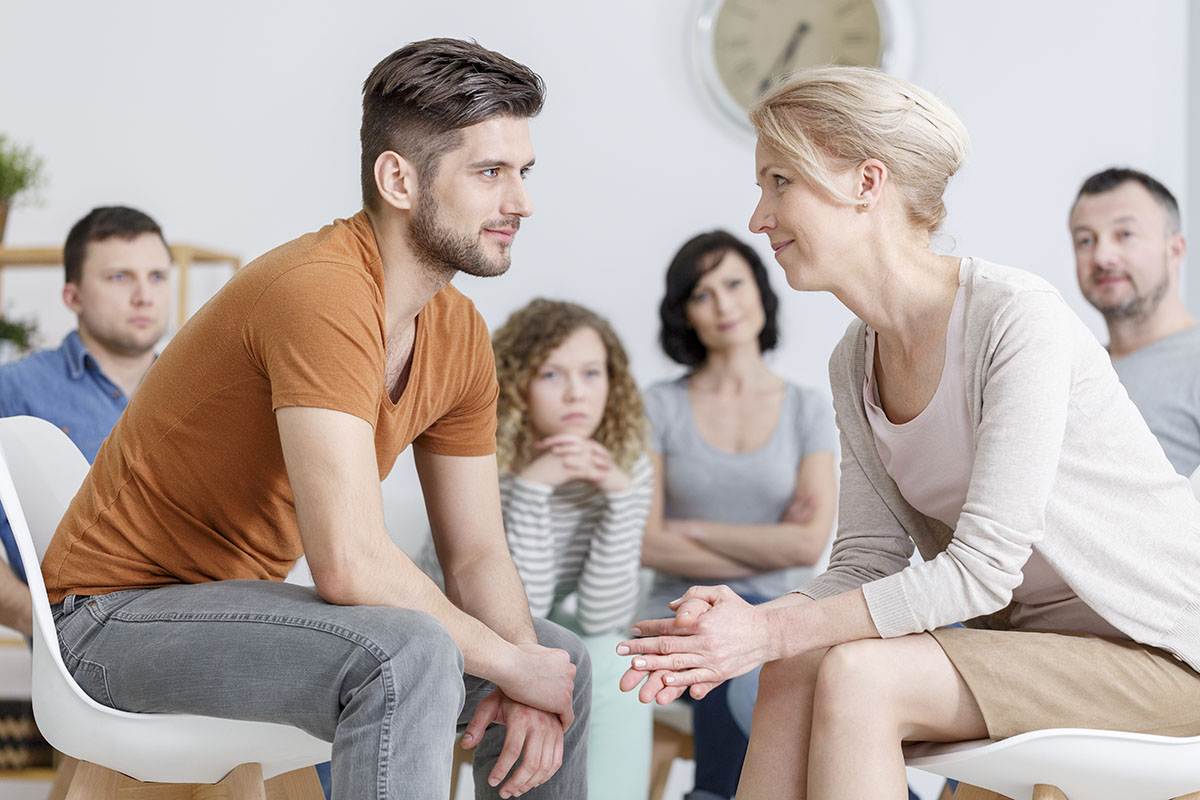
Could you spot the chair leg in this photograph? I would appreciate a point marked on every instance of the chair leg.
(966, 791)
(461, 757)
(93, 782)
(299, 784)
(62, 778)
(669, 744)
(1042, 791)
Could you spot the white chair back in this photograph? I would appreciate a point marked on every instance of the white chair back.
(40, 472)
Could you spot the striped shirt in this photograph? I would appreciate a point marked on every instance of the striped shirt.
(576, 538)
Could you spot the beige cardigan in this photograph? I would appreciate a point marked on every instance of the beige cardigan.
(1063, 461)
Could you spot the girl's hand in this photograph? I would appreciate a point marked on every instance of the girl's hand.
(583, 460)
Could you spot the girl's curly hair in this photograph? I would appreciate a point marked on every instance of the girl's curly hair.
(521, 346)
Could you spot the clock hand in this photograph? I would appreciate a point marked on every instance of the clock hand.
(785, 57)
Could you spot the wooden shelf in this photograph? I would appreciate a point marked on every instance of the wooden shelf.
(182, 255)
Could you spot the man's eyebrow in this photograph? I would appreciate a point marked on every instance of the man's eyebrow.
(497, 162)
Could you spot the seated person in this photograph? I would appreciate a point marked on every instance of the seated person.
(575, 487)
(981, 422)
(744, 464)
(117, 268)
(262, 433)
(1129, 250)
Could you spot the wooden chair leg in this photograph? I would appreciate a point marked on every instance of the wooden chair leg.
(62, 778)
(93, 782)
(1043, 791)
(946, 793)
(966, 791)
(461, 757)
(299, 784)
(244, 783)
(669, 744)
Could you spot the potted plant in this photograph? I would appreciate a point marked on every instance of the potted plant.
(20, 171)
(16, 338)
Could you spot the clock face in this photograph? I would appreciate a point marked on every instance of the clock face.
(751, 43)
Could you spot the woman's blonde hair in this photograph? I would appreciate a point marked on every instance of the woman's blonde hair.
(521, 346)
(829, 119)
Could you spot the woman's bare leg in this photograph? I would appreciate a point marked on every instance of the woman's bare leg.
(872, 694)
(776, 764)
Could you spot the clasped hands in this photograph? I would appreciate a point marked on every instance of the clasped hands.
(714, 636)
(535, 708)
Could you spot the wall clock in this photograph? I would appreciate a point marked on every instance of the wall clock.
(741, 46)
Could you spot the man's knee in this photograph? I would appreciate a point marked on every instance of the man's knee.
(416, 647)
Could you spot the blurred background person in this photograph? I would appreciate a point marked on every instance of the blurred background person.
(745, 486)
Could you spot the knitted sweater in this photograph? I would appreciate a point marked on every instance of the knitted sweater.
(1063, 462)
(578, 539)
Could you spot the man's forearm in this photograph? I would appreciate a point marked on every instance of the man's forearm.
(489, 589)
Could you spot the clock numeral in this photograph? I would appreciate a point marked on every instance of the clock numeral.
(733, 42)
(748, 13)
(847, 8)
(854, 37)
(744, 69)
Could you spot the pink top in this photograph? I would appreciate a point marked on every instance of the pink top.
(931, 457)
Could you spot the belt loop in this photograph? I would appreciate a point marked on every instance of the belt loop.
(69, 603)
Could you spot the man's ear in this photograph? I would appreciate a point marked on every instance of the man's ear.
(1177, 248)
(70, 296)
(395, 180)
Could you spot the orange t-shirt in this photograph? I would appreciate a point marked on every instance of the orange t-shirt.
(191, 485)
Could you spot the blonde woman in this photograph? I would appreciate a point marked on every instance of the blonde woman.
(575, 488)
(980, 421)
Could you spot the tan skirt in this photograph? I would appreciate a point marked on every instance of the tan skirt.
(1031, 680)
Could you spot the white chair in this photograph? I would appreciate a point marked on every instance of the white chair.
(40, 471)
(1078, 764)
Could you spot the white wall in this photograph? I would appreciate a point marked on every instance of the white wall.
(235, 124)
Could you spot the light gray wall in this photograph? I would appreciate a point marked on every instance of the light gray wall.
(235, 124)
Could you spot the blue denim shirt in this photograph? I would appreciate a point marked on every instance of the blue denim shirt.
(66, 387)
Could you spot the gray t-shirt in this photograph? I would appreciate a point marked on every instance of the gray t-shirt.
(752, 488)
(1163, 381)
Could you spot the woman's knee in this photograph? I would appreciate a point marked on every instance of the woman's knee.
(790, 676)
(853, 674)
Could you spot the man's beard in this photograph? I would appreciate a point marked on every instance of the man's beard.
(1139, 306)
(444, 251)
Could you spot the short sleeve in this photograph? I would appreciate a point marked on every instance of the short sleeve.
(468, 366)
(655, 400)
(816, 432)
(317, 334)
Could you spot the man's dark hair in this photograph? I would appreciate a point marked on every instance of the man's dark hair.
(416, 101)
(1113, 177)
(699, 255)
(102, 223)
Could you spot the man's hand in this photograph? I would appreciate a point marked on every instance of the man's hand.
(714, 636)
(542, 678)
(532, 735)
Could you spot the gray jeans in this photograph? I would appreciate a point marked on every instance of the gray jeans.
(385, 685)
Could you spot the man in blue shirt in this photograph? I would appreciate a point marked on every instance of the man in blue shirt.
(116, 263)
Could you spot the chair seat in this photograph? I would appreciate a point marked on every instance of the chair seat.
(1085, 764)
(161, 748)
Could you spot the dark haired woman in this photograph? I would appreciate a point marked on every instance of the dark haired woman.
(745, 486)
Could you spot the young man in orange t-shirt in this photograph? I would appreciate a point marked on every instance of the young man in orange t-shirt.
(263, 432)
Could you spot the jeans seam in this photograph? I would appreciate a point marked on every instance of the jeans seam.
(270, 619)
(389, 693)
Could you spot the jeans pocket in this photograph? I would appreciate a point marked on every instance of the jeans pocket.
(92, 678)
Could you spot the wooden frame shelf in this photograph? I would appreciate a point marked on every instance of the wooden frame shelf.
(182, 257)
